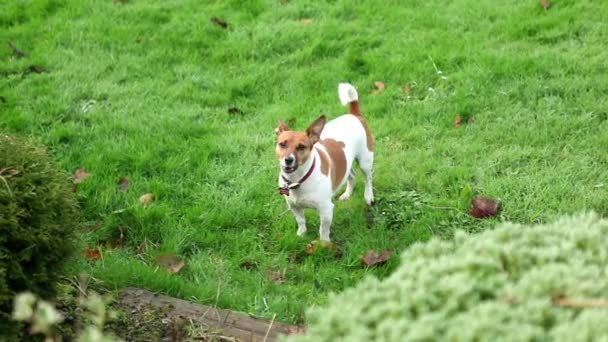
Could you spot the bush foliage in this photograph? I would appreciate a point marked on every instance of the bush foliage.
(38, 219)
(516, 282)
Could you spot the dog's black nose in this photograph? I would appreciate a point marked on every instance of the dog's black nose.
(289, 160)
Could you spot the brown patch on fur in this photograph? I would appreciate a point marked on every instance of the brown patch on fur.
(315, 129)
(288, 142)
(356, 111)
(368, 133)
(324, 162)
(338, 160)
(354, 108)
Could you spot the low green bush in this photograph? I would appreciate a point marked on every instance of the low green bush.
(38, 220)
(514, 283)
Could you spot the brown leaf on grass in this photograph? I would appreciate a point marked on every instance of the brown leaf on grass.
(39, 69)
(482, 206)
(248, 265)
(291, 122)
(17, 51)
(120, 238)
(313, 245)
(379, 87)
(219, 22)
(123, 184)
(170, 262)
(80, 175)
(276, 276)
(407, 90)
(305, 21)
(457, 121)
(146, 199)
(371, 258)
(295, 330)
(545, 4)
(92, 254)
(141, 249)
(561, 300)
(293, 256)
(234, 110)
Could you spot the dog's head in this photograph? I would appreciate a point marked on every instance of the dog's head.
(294, 147)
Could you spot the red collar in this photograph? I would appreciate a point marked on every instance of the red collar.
(284, 190)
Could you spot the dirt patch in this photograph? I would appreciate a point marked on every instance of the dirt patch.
(171, 319)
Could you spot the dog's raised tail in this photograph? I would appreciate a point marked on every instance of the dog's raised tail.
(348, 95)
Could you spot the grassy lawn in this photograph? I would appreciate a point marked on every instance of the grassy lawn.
(142, 89)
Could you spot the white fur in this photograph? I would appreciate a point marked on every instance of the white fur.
(316, 192)
(347, 93)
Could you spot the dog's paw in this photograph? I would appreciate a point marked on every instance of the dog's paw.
(369, 199)
(344, 197)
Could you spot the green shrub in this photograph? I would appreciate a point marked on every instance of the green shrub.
(524, 283)
(38, 219)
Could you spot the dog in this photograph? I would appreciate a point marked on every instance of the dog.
(316, 163)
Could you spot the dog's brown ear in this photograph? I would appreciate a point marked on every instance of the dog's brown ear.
(315, 129)
(281, 127)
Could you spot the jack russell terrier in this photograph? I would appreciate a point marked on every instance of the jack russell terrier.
(315, 164)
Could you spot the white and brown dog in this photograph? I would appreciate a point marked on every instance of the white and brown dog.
(315, 164)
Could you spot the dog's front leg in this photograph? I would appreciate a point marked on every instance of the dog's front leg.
(326, 212)
(300, 218)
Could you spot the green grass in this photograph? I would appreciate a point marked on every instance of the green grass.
(142, 90)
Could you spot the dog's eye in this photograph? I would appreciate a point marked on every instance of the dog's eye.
(283, 144)
(301, 147)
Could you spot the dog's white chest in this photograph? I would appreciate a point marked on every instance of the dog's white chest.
(301, 199)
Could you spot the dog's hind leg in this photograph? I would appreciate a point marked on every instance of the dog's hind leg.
(366, 163)
(350, 186)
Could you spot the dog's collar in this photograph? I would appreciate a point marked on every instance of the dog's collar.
(284, 190)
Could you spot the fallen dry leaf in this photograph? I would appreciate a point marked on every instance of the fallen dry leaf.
(562, 300)
(123, 184)
(234, 110)
(313, 245)
(80, 175)
(39, 69)
(545, 3)
(482, 206)
(306, 21)
(379, 87)
(219, 22)
(407, 90)
(295, 330)
(248, 265)
(276, 276)
(170, 262)
(146, 199)
(17, 51)
(141, 249)
(92, 254)
(457, 121)
(120, 239)
(293, 256)
(371, 258)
